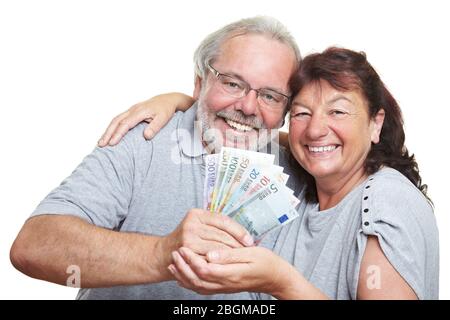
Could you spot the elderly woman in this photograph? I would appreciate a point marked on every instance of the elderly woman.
(366, 227)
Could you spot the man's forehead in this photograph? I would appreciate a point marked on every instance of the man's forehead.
(258, 60)
(251, 43)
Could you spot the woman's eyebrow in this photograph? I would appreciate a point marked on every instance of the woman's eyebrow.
(339, 97)
(299, 104)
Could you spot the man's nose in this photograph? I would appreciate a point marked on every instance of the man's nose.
(317, 127)
(249, 103)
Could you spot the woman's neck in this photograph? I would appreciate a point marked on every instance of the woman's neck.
(332, 190)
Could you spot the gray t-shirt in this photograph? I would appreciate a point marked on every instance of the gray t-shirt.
(327, 246)
(144, 187)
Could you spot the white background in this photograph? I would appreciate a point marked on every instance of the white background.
(67, 67)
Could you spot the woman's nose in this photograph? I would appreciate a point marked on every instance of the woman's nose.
(317, 127)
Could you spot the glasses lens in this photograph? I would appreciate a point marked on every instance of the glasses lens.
(232, 86)
(272, 98)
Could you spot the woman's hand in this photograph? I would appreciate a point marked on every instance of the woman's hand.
(157, 111)
(233, 270)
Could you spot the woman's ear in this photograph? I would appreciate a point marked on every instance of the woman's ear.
(197, 88)
(377, 123)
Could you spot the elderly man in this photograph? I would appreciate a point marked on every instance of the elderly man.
(125, 209)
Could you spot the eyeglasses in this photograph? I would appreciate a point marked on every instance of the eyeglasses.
(239, 88)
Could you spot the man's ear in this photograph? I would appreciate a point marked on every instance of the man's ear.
(377, 123)
(197, 88)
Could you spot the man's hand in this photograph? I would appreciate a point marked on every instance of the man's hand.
(201, 231)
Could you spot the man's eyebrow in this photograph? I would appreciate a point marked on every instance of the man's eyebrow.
(234, 75)
(239, 77)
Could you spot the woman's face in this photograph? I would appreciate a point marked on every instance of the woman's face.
(330, 132)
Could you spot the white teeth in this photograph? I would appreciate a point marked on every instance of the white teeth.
(238, 126)
(321, 149)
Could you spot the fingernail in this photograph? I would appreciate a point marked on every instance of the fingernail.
(248, 240)
(113, 140)
(100, 142)
(213, 255)
(171, 269)
(149, 134)
(182, 251)
(174, 255)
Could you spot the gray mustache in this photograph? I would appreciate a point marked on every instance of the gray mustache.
(240, 117)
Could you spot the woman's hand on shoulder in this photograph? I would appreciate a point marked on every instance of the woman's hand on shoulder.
(157, 111)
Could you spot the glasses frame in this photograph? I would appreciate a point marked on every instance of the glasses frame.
(248, 88)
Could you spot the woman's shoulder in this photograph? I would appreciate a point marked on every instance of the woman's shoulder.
(389, 185)
(392, 198)
(396, 212)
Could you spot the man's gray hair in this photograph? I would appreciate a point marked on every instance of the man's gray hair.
(209, 49)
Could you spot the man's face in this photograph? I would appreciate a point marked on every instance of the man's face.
(225, 120)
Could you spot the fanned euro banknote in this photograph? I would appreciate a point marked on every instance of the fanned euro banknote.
(249, 188)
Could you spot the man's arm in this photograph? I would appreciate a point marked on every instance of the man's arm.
(48, 244)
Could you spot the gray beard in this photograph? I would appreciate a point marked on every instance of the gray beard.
(213, 139)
